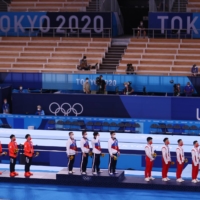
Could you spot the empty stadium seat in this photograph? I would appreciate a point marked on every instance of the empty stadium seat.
(48, 5)
(48, 54)
(161, 56)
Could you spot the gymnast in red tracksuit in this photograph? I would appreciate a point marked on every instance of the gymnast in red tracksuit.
(13, 152)
(166, 159)
(180, 160)
(149, 159)
(28, 152)
(195, 162)
(1, 153)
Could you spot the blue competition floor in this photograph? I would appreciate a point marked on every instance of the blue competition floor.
(10, 191)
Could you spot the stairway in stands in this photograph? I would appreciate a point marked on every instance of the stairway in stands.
(3, 5)
(113, 56)
(93, 6)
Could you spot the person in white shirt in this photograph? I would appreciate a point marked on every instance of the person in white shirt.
(166, 159)
(71, 151)
(149, 159)
(86, 86)
(85, 148)
(180, 161)
(195, 162)
(96, 150)
(113, 150)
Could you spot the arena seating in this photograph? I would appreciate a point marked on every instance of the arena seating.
(161, 56)
(26, 54)
(193, 6)
(49, 5)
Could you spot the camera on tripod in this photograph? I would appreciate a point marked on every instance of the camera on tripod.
(98, 80)
(177, 89)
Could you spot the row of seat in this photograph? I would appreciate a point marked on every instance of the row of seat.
(48, 5)
(161, 56)
(175, 129)
(193, 6)
(50, 54)
(94, 126)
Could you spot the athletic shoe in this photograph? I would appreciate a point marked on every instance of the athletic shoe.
(12, 174)
(151, 178)
(110, 173)
(194, 181)
(70, 172)
(182, 180)
(197, 180)
(94, 173)
(168, 179)
(179, 180)
(164, 179)
(147, 179)
(26, 174)
(31, 174)
(16, 174)
(83, 173)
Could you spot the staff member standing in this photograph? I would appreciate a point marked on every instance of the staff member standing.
(188, 90)
(96, 150)
(86, 86)
(128, 90)
(28, 152)
(13, 152)
(195, 162)
(149, 159)
(166, 159)
(113, 150)
(102, 86)
(85, 148)
(5, 107)
(71, 151)
(180, 161)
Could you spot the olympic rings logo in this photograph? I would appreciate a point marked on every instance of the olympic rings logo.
(87, 178)
(64, 110)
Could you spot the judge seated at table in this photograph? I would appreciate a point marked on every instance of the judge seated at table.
(39, 111)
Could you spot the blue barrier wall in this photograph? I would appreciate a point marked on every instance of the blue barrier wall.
(190, 22)
(118, 106)
(43, 123)
(75, 81)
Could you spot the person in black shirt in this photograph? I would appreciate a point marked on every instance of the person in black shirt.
(177, 90)
(102, 85)
(130, 69)
(141, 30)
(83, 64)
(128, 90)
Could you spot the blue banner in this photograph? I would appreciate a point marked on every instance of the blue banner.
(41, 23)
(186, 23)
(75, 81)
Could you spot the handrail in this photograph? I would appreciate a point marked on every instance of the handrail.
(176, 33)
(55, 31)
(5, 2)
